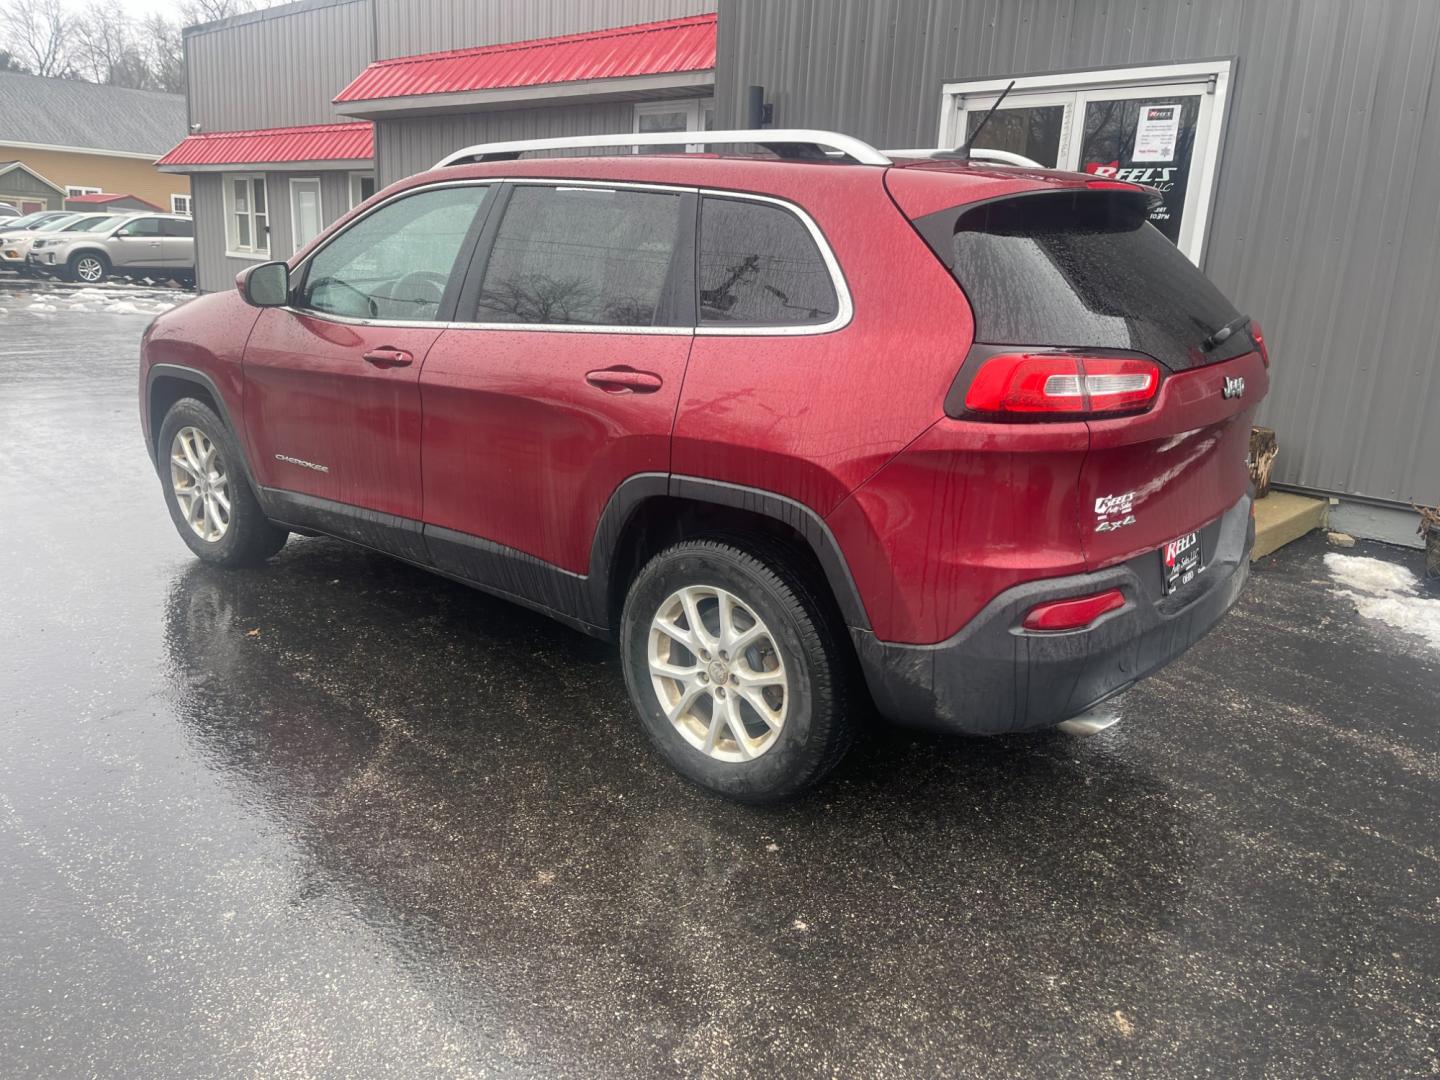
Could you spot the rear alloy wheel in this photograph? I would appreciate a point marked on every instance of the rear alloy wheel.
(734, 669)
(209, 497)
(89, 268)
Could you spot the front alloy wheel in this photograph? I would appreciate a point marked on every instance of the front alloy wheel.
(200, 484)
(89, 268)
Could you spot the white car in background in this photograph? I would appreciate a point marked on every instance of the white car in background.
(16, 244)
(160, 246)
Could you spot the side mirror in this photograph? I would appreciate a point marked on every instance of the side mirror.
(265, 285)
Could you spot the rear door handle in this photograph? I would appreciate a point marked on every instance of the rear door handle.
(387, 357)
(620, 380)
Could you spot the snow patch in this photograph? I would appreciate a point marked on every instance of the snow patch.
(1386, 592)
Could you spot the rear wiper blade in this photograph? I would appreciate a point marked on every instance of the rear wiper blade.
(1219, 337)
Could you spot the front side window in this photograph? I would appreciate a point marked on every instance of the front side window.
(247, 218)
(581, 255)
(143, 227)
(396, 262)
(759, 266)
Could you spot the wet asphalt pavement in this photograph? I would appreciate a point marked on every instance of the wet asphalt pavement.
(336, 816)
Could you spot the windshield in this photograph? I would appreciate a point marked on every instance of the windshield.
(29, 219)
(88, 224)
(58, 223)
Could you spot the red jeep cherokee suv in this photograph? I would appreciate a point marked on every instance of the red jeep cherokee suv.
(970, 439)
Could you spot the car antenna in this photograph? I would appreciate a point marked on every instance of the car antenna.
(962, 152)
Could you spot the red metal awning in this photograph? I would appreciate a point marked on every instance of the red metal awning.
(104, 198)
(273, 146)
(673, 46)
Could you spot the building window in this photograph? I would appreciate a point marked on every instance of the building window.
(71, 191)
(696, 114)
(247, 217)
(180, 204)
(1159, 126)
(362, 186)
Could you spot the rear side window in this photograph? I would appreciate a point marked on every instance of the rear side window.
(171, 227)
(759, 266)
(582, 255)
(1084, 269)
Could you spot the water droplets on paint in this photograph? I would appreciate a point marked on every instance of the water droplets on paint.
(1388, 593)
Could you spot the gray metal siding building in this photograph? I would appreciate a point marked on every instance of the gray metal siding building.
(1299, 141)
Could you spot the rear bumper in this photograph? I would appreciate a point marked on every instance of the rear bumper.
(994, 677)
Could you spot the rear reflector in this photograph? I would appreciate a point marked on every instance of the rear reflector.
(1258, 336)
(1037, 385)
(1073, 614)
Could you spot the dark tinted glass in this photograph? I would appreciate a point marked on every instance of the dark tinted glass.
(1084, 270)
(177, 228)
(759, 266)
(581, 255)
(142, 227)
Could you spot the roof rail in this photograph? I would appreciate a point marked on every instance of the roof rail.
(792, 143)
(997, 157)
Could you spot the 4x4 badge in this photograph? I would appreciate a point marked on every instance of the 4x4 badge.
(1234, 388)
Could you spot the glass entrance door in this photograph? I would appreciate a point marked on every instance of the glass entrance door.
(1128, 124)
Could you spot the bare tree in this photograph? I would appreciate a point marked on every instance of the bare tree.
(8, 62)
(38, 33)
(200, 11)
(166, 50)
(108, 50)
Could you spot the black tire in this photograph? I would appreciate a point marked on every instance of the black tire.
(249, 537)
(86, 258)
(817, 728)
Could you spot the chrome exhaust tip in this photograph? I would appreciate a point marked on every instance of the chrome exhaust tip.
(1089, 723)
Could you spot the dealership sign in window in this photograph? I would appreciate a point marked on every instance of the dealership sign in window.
(1158, 126)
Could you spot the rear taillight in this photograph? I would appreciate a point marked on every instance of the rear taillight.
(1073, 614)
(1258, 336)
(1061, 385)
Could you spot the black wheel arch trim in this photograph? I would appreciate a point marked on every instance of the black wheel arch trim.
(150, 424)
(811, 526)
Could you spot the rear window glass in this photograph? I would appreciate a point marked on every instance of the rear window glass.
(1084, 270)
(759, 266)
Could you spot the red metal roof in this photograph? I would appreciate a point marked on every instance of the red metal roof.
(102, 198)
(271, 146)
(657, 48)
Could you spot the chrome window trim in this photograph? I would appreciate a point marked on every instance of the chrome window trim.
(845, 307)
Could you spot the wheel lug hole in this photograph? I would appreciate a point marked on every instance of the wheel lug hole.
(704, 655)
(704, 677)
(720, 691)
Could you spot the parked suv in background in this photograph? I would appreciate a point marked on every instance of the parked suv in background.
(16, 237)
(138, 245)
(968, 439)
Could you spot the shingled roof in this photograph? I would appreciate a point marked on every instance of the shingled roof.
(65, 112)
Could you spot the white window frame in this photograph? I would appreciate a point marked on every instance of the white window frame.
(233, 248)
(295, 182)
(693, 108)
(1211, 77)
(354, 186)
(177, 198)
(71, 191)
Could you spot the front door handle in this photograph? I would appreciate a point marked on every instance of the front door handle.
(388, 358)
(622, 380)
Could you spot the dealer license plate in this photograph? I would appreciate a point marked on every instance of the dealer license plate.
(1181, 561)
